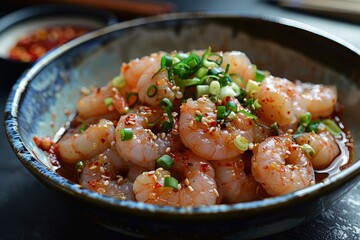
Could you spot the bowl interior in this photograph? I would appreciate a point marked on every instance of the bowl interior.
(42, 98)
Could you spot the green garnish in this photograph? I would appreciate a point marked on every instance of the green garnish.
(165, 161)
(152, 91)
(171, 182)
(119, 82)
(332, 127)
(167, 106)
(79, 166)
(198, 118)
(260, 76)
(309, 150)
(126, 134)
(129, 98)
(202, 90)
(83, 127)
(241, 143)
(108, 101)
(221, 112)
(214, 88)
(231, 106)
(249, 115)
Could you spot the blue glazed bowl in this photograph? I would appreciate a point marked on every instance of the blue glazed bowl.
(301, 52)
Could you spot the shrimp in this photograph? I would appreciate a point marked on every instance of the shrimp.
(319, 99)
(133, 70)
(239, 64)
(94, 140)
(198, 187)
(101, 175)
(233, 183)
(280, 102)
(206, 137)
(146, 146)
(280, 166)
(324, 145)
(92, 104)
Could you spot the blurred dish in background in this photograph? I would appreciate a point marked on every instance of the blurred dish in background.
(29, 33)
(344, 9)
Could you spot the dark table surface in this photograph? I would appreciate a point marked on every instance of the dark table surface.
(29, 210)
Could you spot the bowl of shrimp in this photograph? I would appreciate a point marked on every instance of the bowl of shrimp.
(193, 124)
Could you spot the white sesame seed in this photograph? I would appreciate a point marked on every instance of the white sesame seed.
(216, 192)
(102, 169)
(93, 167)
(190, 188)
(106, 182)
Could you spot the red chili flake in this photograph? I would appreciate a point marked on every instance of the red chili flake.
(157, 185)
(204, 167)
(102, 140)
(205, 130)
(228, 164)
(213, 124)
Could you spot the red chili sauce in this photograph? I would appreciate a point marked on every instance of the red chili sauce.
(32, 46)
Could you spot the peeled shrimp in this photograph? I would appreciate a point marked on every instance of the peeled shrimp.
(233, 183)
(280, 166)
(198, 186)
(319, 99)
(94, 140)
(100, 174)
(206, 138)
(239, 64)
(324, 145)
(280, 101)
(146, 146)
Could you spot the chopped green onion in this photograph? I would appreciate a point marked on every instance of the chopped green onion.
(313, 126)
(260, 76)
(201, 72)
(119, 82)
(275, 126)
(165, 161)
(188, 82)
(83, 127)
(214, 88)
(232, 106)
(171, 182)
(79, 166)
(309, 151)
(221, 112)
(108, 101)
(305, 118)
(256, 104)
(126, 134)
(215, 71)
(166, 61)
(152, 90)
(166, 104)
(214, 99)
(332, 127)
(252, 87)
(129, 99)
(228, 91)
(230, 116)
(241, 143)
(198, 118)
(249, 115)
(202, 90)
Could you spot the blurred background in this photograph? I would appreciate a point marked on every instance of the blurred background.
(28, 210)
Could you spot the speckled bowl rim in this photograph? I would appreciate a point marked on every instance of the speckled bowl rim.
(60, 183)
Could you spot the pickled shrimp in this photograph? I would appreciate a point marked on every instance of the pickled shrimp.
(239, 64)
(197, 187)
(319, 99)
(146, 145)
(94, 140)
(234, 185)
(280, 166)
(324, 148)
(280, 101)
(101, 175)
(205, 137)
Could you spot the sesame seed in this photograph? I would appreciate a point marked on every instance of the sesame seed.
(106, 182)
(198, 113)
(190, 188)
(168, 149)
(216, 192)
(102, 169)
(186, 182)
(93, 167)
(191, 124)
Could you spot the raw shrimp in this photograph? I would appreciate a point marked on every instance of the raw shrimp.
(101, 174)
(324, 145)
(146, 146)
(280, 166)
(239, 64)
(94, 140)
(206, 138)
(233, 183)
(280, 101)
(198, 187)
(319, 99)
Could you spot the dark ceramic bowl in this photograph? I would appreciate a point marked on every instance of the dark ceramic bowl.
(22, 22)
(300, 52)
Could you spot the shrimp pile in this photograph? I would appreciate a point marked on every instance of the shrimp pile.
(199, 128)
